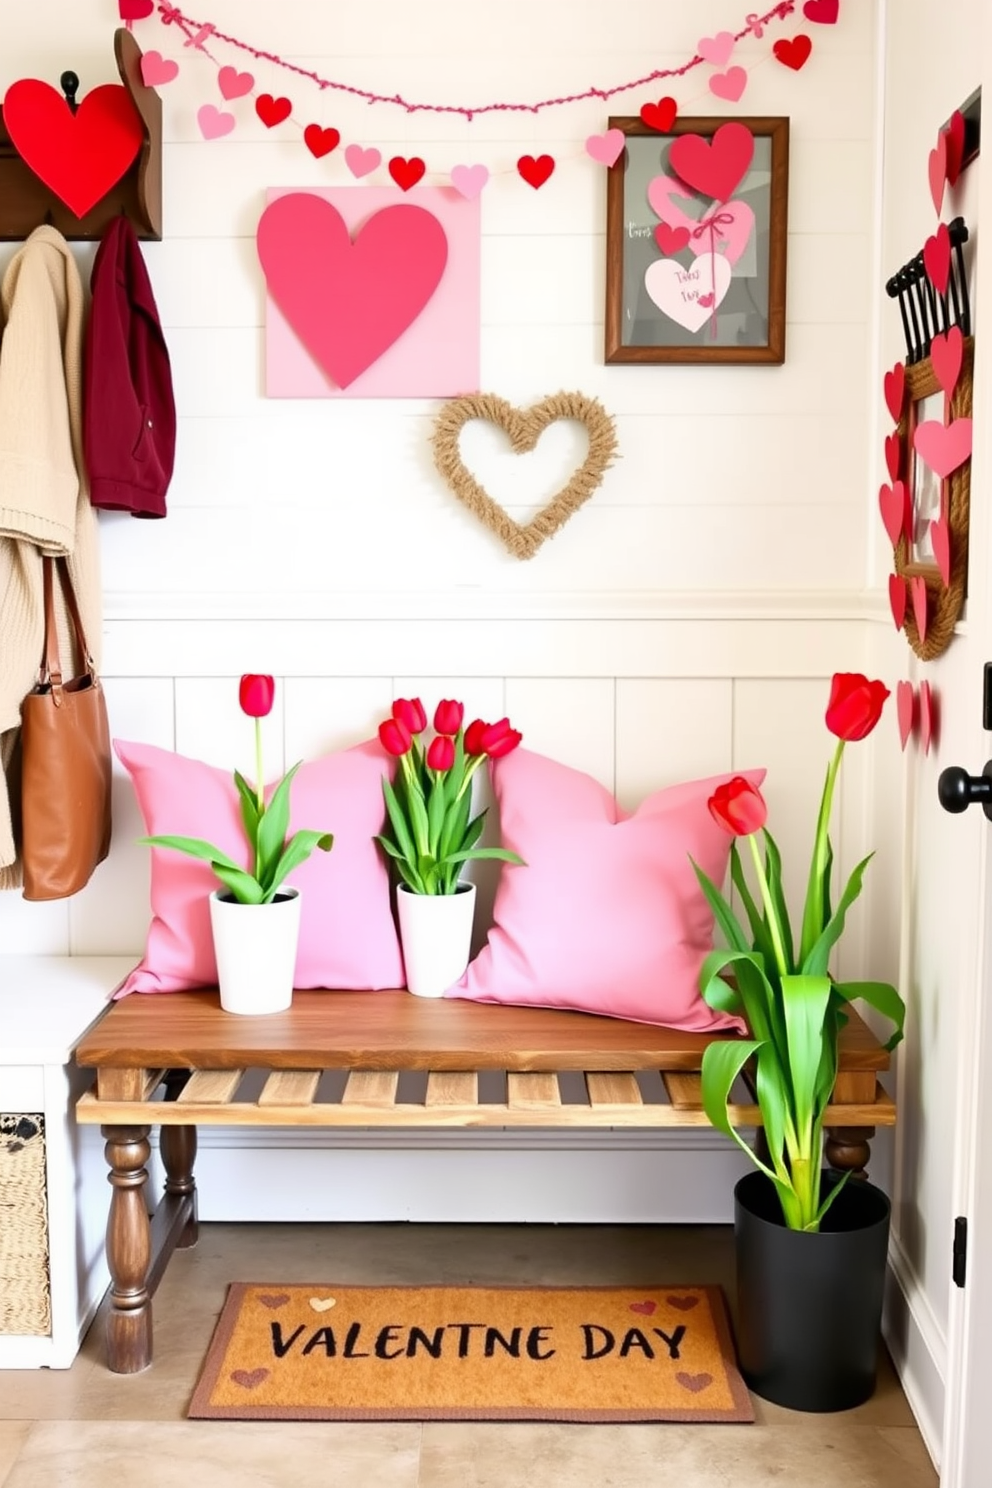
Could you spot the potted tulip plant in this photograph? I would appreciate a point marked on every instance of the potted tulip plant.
(811, 1250)
(431, 833)
(255, 914)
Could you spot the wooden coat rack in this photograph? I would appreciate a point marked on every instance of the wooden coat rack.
(26, 202)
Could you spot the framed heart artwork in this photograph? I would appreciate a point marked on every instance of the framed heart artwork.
(696, 221)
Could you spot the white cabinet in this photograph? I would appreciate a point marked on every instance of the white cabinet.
(53, 1188)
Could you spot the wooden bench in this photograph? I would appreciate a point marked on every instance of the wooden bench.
(337, 1060)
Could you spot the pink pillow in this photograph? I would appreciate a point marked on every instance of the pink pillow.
(607, 916)
(347, 934)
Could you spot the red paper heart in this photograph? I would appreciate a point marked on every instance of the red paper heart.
(905, 711)
(946, 353)
(937, 258)
(660, 115)
(822, 12)
(893, 503)
(78, 156)
(135, 10)
(671, 239)
(234, 84)
(714, 167)
(894, 384)
(320, 142)
(645, 1308)
(954, 135)
(937, 172)
(918, 594)
(928, 717)
(897, 599)
(940, 541)
(794, 53)
(272, 111)
(943, 446)
(893, 455)
(406, 173)
(535, 172)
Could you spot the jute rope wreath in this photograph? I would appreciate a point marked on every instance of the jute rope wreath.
(524, 428)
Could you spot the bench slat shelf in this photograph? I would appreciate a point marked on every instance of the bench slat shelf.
(178, 1062)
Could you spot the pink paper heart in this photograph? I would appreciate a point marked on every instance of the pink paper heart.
(468, 180)
(349, 300)
(135, 10)
(946, 354)
(157, 70)
(714, 167)
(693, 1382)
(682, 1304)
(679, 292)
(822, 12)
(905, 711)
(943, 446)
(937, 258)
(918, 594)
(234, 84)
(249, 1379)
(893, 455)
(645, 1308)
(272, 1300)
(928, 717)
(940, 541)
(214, 122)
(893, 503)
(894, 386)
(729, 85)
(362, 162)
(897, 599)
(671, 240)
(716, 49)
(606, 148)
(937, 172)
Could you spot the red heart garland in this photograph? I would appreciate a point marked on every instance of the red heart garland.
(937, 258)
(954, 136)
(660, 115)
(822, 12)
(320, 142)
(940, 541)
(893, 503)
(272, 111)
(897, 599)
(535, 172)
(918, 591)
(894, 385)
(937, 171)
(893, 455)
(794, 53)
(78, 156)
(717, 166)
(406, 173)
(671, 240)
(946, 353)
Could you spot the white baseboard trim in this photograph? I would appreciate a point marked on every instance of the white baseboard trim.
(918, 1347)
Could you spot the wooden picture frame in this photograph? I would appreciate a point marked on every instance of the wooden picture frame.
(931, 498)
(747, 320)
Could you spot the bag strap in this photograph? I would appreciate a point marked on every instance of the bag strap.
(51, 668)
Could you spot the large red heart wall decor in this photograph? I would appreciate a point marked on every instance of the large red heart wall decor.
(78, 156)
(348, 300)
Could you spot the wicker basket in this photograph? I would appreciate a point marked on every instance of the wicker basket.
(25, 1295)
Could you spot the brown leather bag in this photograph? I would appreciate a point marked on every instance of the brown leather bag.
(65, 764)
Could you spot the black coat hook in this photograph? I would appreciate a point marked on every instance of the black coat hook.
(69, 83)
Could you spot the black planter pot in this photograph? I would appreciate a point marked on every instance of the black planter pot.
(810, 1306)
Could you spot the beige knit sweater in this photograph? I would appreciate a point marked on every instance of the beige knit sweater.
(44, 497)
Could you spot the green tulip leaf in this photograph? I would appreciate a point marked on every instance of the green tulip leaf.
(246, 890)
(195, 847)
(773, 861)
(722, 912)
(883, 998)
(397, 821)
(249, 807)
(297, 850)
(502, 854)
(805, 1000)
(272, 828)
(815, 963)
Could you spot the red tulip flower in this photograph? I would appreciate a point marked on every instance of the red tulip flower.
(448, 717)
(256, 695)
(855, 706)
(395, 737)
(410, 712)
(441, 754)
(738, 807)
(500, 738)
(473, 737)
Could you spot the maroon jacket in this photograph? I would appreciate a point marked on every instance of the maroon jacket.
(129, 413)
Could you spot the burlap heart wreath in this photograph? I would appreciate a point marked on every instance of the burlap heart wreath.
(524, 428)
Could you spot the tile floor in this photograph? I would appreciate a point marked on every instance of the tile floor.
(86, 1428)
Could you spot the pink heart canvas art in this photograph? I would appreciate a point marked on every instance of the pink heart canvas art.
(368, 296)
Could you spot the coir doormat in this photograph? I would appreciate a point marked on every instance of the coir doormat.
(343, 1353)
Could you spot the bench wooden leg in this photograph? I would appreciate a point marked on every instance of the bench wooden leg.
(848, 1149)
(177, 1146)
(129, 1325)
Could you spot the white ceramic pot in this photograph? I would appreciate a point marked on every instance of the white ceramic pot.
(436, 935)
(255, 946)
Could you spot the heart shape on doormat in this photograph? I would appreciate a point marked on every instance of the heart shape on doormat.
(524, 428)
(80, 155)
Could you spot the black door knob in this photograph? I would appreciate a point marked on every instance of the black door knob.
(957, 790)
